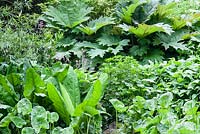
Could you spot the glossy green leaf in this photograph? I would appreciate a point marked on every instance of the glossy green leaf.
(58, 102)
(39, 119)
(67, 14)
(28, 130)
(95, 25)
(165, 99)
(144, 30)
(14, 79)
(24, 106)
(33, 83)
(118, 105)
(7, 93)
(6, 120)
(72, 87)
(52, 117)
(19, 122)
(67, 100)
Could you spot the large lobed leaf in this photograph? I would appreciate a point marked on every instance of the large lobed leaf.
(68, 14)
(95, 25)
(144, 30)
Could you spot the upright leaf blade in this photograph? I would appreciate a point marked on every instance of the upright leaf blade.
(72, 87)
(33, 82)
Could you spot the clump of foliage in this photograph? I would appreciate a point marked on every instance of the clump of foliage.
(156, 98)
(57, 90)
(146, 30)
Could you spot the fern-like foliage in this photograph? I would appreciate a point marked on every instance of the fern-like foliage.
(144, 30)
(67, 14)
(95, 25)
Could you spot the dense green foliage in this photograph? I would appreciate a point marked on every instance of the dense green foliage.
(99, 66)
(158, 98)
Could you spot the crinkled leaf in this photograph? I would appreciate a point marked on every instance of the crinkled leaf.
(24, 106)
(68, 14)
(39, 119)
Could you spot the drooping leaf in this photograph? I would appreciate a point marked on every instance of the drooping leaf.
(33, 83)
(39, 119)
(24, 106)
(95, 25)
(118, 105)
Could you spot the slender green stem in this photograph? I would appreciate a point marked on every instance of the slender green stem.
(88, 125)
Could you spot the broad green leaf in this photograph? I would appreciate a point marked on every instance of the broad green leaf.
(6, 120)
(39, 119)
(28, 130)
(171, 41)
(118, 105)
(91, 110)
(95, 25)
(2, 106)
(67, 100)
(61, 74)
(165, 10)
(7, 93)
(190, 108)
(59, 130)
(96, 52)
(58, 102)
(165, 100)
(67, 14)
(144, 30)
(33, 83)
(127, 12)
(52, 117)
(94, 94)
(14, 79)
(19, 122)
(71, 84)
(93, 97)
(24, 106)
